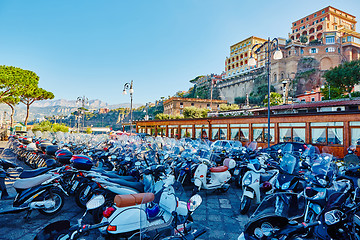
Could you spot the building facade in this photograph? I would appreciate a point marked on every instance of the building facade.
(327, 19)
(237, 62)
(175, 105)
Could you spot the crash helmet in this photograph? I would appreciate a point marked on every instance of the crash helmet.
(266, 186)
(152, 210)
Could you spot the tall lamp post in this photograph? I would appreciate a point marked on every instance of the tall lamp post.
(271, 49)
(83, 100)
(129, 86)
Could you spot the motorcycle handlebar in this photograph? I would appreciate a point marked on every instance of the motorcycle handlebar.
(99, 225)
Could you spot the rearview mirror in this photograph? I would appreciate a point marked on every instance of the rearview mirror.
(95, 202)
(194, 202)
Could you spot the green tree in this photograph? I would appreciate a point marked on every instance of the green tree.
(335, 93)
(13, 79)
(344, 76)
(193, 112)
(11, 101)
(275, 99)
(31, 94)
(226, 107)
(162, 116)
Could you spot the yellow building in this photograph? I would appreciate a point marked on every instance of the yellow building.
(237, 62)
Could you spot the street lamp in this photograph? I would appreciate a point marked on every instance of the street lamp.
(83, 100)
(129, 86)
(268, 48)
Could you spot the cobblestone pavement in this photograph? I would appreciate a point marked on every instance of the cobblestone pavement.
(219, 212)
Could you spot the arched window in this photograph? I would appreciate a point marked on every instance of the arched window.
(246, 54)
(275, 77)
(282, 75)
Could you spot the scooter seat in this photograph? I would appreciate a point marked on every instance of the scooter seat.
(31, 182)
(116, 176)
(135, 185)
(34, 173)
(133, 199)
(219, 169)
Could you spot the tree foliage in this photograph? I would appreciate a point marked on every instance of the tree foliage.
(31, 94)
(193, 112)
(47, 126)
(344, 76)
(275, 99)
(228, 107)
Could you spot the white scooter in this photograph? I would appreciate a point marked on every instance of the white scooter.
(252, 181)
(219, 176)
(137, 215)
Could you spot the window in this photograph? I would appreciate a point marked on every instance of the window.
(355, 133)
(327, 133)
(323, 11)
(330, 40)
(260, 132)
(294, 24)
(349, 38)
(192, 104)
(313, 50)
(302, 51)
(302, 20)
(307, 19)
(292, 132)
(313, 99)
(315, 15)
(239, 132)
(330, 49)
(289, 53)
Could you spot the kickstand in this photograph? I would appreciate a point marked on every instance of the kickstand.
(27, 216)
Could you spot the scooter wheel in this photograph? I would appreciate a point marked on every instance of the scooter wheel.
(245, 205)
(81, 198)
(58, 197)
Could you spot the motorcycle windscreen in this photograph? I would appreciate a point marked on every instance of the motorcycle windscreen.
(288, 163)
(289, 205)
(159, 210)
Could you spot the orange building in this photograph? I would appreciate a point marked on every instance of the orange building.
(175, 105)
(324, 20)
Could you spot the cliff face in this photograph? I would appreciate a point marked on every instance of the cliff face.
(308, 76)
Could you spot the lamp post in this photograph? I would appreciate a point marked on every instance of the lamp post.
(83, 100)
(129, 86)
(268, 48)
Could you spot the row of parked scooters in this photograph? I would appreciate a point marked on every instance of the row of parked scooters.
(134, 186)
(129, 190)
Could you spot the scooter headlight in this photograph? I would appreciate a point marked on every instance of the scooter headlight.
(247, 180)
(285, 186)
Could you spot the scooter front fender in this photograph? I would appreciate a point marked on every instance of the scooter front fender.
(197, 182)
(248, 193)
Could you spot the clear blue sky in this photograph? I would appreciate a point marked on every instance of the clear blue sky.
(92, 47)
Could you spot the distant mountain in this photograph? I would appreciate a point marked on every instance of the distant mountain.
(41, 109)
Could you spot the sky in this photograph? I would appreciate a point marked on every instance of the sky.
(93, 47)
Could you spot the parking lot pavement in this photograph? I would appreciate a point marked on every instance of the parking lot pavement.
(219, 213)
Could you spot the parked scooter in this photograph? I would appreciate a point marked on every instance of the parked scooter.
(43, 193)
(148, 216)
(218, 178)
(62, 230)
(255, 181)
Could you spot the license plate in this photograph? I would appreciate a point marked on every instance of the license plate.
(236, 172)
(87, 190)
(74, 186)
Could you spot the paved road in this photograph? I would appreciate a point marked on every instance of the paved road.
(219, 212)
